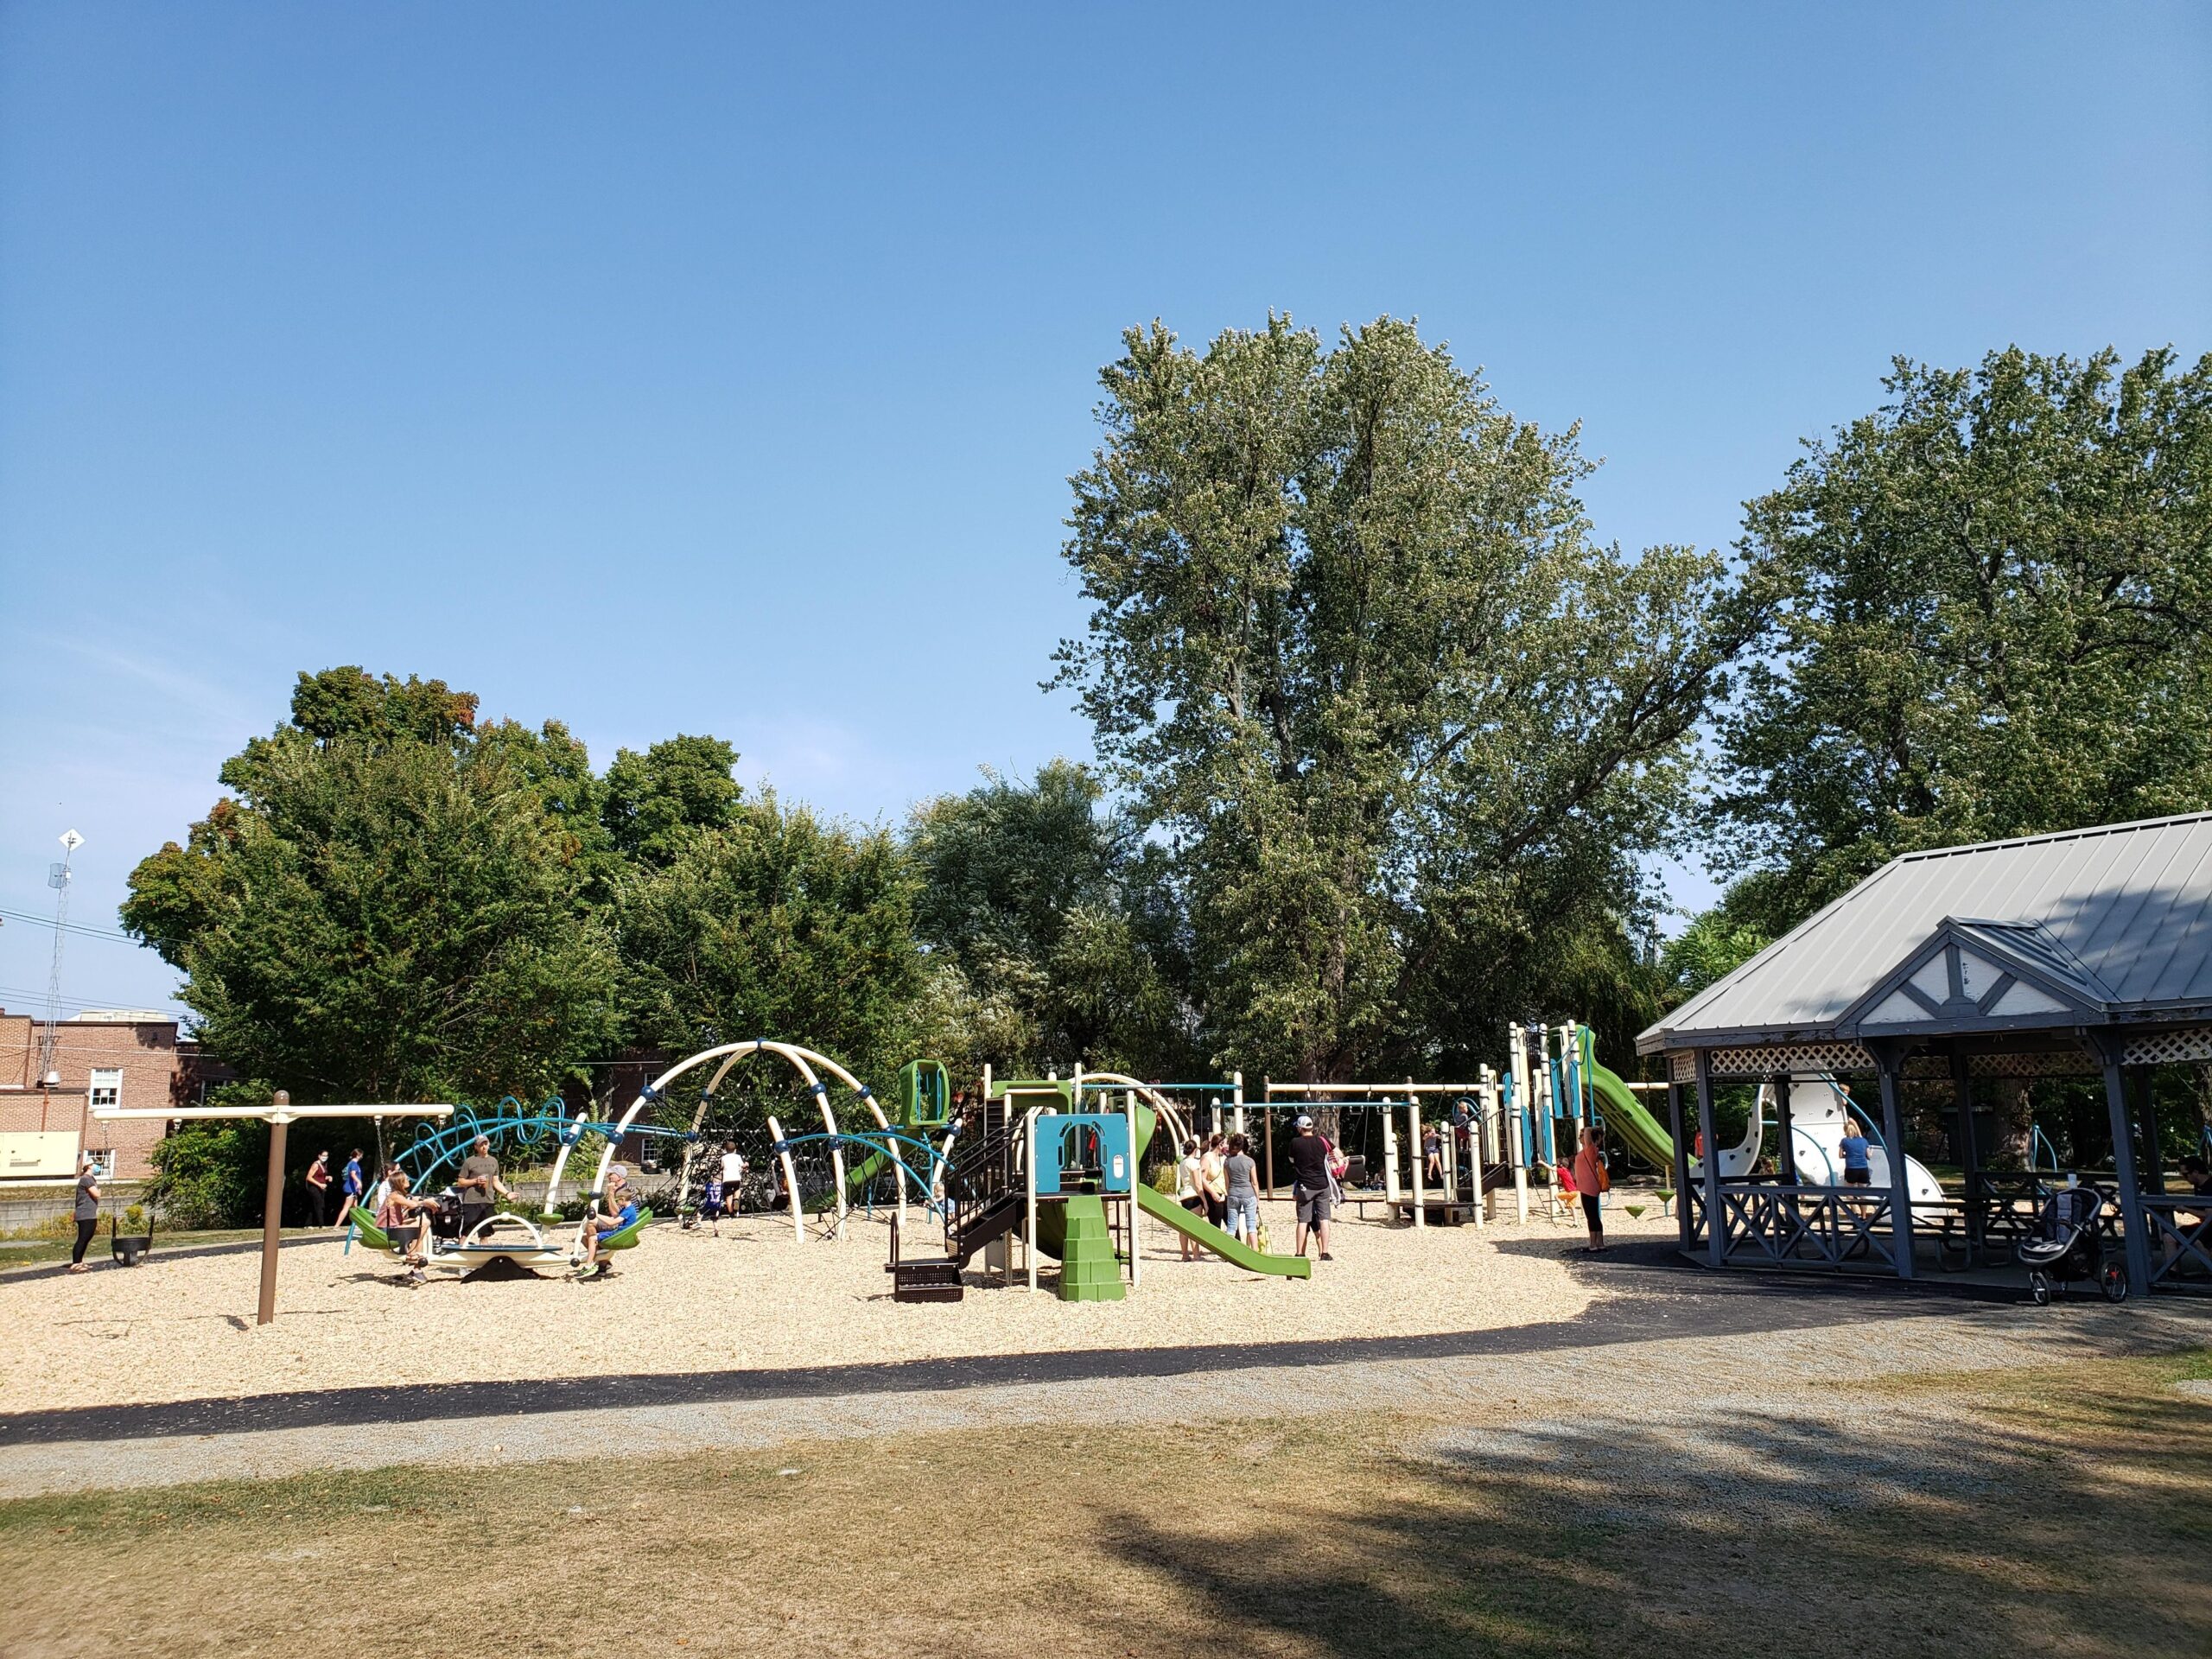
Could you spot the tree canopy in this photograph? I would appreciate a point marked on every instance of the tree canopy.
(1991, 616)
(386, 910)
(1355, 654)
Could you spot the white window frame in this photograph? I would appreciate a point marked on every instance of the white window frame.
(108, 1079)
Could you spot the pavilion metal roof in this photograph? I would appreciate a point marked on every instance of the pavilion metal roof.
(2108, 925)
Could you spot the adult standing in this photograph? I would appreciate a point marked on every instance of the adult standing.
(1592, 1182)
(1243, 1181)
(1189, 1190)
(350, 1186)
(1213, 1179)
(318, 1179)
(87, 1210)
(1310, 1188)
(1857, 1162)
(479, 1185)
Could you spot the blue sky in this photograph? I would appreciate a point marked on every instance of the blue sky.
(665, 368)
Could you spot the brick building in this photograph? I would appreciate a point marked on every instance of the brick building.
(122, 1057)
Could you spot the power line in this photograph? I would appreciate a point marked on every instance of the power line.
(76, 930)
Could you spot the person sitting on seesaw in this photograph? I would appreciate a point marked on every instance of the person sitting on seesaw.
(618, 1209)
(405, 1219)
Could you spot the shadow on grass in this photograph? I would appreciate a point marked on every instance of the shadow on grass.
(1870, 1526)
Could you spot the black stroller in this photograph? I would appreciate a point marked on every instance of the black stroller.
(2069, 1246)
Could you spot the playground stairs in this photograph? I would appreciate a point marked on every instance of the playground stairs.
(978, 1225)
(921, 1281)
(1090, 1271)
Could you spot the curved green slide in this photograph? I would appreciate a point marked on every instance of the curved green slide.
(1160, 1207)
(1627, 1121)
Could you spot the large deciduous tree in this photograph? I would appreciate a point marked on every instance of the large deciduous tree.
(387, 907)
(775, 923)
(1053, 932)
(1994, 618)
(1407, 726)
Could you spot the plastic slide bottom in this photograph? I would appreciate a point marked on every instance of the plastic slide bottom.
(1628, 1122)
(1161, 1208)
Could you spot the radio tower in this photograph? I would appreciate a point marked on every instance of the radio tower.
(57, 877)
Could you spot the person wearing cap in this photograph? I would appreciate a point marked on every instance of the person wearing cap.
(618, 1208)
(1309, 1159)
(479, 1185)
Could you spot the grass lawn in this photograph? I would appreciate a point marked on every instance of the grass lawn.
(2059, 1512)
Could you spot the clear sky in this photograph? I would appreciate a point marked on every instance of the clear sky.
(663, 368)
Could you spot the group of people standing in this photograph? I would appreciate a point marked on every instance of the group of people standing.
(1218, 1179)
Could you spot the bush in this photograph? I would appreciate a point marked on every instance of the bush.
(214, 1173)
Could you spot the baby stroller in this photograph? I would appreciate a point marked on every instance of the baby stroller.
(2069, 1246)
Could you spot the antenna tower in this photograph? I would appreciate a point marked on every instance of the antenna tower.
(57, 877)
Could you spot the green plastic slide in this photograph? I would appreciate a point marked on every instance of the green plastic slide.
(1628, 1122)
(1162, 1208)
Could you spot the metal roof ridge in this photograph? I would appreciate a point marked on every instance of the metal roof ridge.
(2083, 833)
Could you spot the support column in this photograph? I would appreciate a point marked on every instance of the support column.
(1889, 1062)
(2146, 1115)
(1969, 1151)
(272, 1212)
(1421, 1163)
(1716, 1229)
(2123, 1163)
(1681, 1170)
(1785, 1162)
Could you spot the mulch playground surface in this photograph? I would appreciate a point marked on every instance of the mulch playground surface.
(1658, 1297)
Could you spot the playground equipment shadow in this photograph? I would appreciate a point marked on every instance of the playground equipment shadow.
(1681, 1304)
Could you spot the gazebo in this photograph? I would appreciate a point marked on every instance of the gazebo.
(2086, 953)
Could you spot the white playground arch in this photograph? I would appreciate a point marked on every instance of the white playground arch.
(803, 1061)
(1152, 1097)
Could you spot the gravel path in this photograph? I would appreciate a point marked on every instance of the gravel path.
(1497, 1404)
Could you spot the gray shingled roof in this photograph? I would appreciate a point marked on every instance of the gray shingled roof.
(2118, 919)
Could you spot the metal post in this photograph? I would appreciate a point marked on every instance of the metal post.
(1517, 1148)
(1716, 1227)
(1421, 1162)
(1268, 1122)
(1475, 1142)
(1129, 1106)
(1390, 1186)
(2146, 1117)
(1969, 1154)
(1236, 1079)
(2123, 1163)
(1785, 1166)
(790, 1178)
(1888, 1062)
(272, 1210)
(1681, 1170)
(1029, 1179)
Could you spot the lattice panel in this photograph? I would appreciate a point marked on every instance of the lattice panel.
(2160, 1047)
(1794, 1057)
(2062, 1063)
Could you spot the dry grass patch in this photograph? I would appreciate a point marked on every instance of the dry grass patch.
(2064, 1513)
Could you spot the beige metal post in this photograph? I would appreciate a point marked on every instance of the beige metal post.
(791, 1178)
(1136, 1254)
(1483, 1102)
(1391, 1186)
(1029, 1179)
(1238, 1078)
(1421, 1173)
(1516, 1060)
(272, 1209)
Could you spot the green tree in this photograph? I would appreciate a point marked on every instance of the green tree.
(779, 925)
(386, 910)
(1993, 596)
(651, 799)
(1710, 948)
(1051, 909)
(1355, 655)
